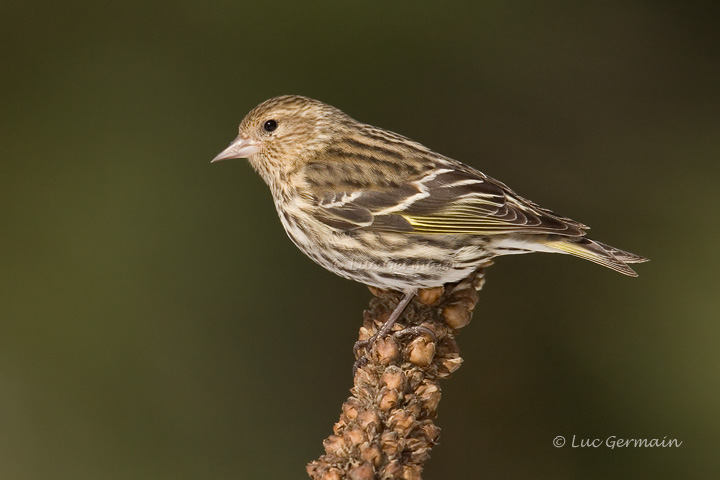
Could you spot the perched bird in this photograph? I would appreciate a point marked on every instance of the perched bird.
(381, 209)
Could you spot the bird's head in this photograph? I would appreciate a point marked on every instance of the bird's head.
(284, 131)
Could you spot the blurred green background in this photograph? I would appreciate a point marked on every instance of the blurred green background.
(156, 323)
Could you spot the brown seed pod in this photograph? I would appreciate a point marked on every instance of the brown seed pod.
(428, 296)
(421, 351)
(457, 315)
(387, 350)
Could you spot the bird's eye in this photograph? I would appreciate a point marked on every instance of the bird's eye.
(270, 125)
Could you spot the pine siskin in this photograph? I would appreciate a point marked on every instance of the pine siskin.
(378, 208)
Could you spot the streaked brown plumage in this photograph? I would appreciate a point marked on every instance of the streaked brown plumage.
(376, 207)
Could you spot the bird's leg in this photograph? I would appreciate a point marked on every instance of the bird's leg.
(394, 316)
(387, 325)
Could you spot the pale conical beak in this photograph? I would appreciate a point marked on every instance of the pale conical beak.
(241, 147)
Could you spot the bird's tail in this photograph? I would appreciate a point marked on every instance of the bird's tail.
(597, 252)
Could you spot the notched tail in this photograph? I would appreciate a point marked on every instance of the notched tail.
(599, 253)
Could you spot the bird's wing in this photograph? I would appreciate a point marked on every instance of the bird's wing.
(449, 198)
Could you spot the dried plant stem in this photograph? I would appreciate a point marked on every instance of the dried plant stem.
(386, 428)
